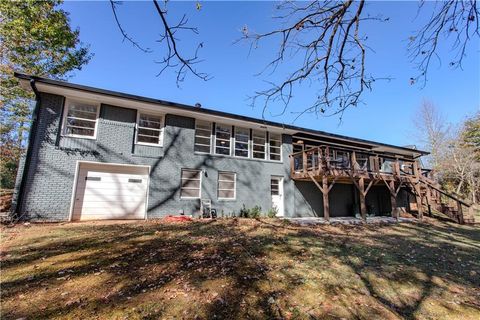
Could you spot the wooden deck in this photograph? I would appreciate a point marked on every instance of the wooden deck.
(325, 166)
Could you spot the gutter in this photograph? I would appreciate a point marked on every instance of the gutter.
(205, 111)
(28, 156)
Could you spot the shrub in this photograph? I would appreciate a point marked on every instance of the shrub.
(244, 212)
(272, 213)
(255, 212)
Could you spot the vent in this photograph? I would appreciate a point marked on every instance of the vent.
(135, 180)
(93, 178)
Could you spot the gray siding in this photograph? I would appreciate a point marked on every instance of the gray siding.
(50, 182)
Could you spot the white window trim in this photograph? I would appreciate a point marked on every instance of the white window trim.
(195, 135)
(234, 186)
(265, 146)
(181, 184)
(215, 141)
(67, 104)
(281, 146)
(234, 147)
(162, 128)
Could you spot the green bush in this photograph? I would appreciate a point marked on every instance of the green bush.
(255, 212)
(272, 213)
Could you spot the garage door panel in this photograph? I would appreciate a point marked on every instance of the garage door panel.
(107, 207)
(120, 187)
(89, 197)
(110, 192)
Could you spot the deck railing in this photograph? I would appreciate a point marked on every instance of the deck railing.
(325, 158)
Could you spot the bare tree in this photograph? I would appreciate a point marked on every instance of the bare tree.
(174, 58)
(460, 166)
(432, 131)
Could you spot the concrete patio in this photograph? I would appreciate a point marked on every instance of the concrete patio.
(347, 220)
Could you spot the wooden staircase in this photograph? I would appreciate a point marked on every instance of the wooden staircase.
(450, 204)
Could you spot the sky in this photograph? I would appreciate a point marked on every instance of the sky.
(385, 115)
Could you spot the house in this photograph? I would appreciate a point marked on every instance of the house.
(100, 154)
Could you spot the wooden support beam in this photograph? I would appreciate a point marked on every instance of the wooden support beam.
(325, 189)
(460, 213)
(393, 199)
(418, 198)
(292, 165)
(363, 206)
(326, 206)
(304, 161)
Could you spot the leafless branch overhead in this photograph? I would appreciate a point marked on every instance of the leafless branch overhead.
(122, 31)
(457, 19)
(173, 58)
(322, 44)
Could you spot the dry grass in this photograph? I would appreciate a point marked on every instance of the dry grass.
(238, 269)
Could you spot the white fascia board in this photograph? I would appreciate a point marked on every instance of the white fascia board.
(146, 106)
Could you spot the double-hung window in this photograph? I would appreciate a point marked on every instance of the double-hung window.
(149, 129)
(275, 146)
(226, 185)
(223, 134)
(203, 136)
(191, 184)
(242, 137)
(259, 140)
(80, 119)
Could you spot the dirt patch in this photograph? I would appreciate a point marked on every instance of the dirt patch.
(240, 268)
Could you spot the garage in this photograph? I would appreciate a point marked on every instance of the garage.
(109, 191)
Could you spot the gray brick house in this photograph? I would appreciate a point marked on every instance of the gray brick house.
(98, 154)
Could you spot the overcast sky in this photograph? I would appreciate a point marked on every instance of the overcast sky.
(388, 110)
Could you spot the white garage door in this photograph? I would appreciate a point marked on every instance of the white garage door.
(110, 192)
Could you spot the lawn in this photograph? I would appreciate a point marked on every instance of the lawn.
(240, 269)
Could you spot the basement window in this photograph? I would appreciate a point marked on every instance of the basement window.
(80, 119)
(226, 185)
(149, 129)
(191, 184)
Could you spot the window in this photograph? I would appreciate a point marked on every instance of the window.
(203, 136)
(149, 129)
(242, 137)
(275, 147)
(191, 184)
(259, 141)
(222, 139)
(274, 187)
(226, 185)
(80, 119)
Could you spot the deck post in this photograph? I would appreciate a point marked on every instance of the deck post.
(460, 213)
(353, 161)
(325, 191)
(393, 200)
(418, 198)
(304, 161)
(363, 206)
(292, 166)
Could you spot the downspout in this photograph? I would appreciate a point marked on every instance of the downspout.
(28, 156)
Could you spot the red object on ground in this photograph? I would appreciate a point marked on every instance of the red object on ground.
(178, 218)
